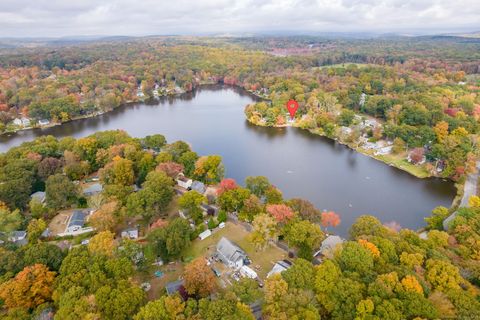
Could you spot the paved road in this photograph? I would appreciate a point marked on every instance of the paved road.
(470, 189)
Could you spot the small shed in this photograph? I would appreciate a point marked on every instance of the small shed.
(205, 234)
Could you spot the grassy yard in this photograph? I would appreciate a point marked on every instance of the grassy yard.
(172, 272)
(262, 261)
(399, 161)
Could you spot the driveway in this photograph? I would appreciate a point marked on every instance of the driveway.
(470, 189)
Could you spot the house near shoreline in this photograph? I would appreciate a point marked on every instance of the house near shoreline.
(328, 246)
(21, 122)
(230, 254)
(198, 186)
(183, 181)
(44, 122)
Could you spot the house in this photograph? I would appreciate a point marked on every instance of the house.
(76, 221)
(328, 245)
(174, 287)
(21, 122)
(39, 195)
(43, 122)
(198, 186)
(184, 182)
(205, 234)
(25, 122)
(130, 233)
(383, 151)
(279, 267)
(230, 254)
(93, 189)
(18, 237)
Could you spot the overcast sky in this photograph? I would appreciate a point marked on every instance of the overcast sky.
(53, 18)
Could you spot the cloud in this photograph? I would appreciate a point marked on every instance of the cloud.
(28, 18)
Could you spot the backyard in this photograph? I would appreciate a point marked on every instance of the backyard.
(262, 260)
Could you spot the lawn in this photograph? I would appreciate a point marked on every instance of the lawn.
(401, 163)
(262, 261)
(172, 272)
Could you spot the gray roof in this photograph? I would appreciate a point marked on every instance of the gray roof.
(77, 219)
(230, 251)
(18, 234)
(92, 189)
(39, 195)
(173, 287)
(330, 243)
(198, 186)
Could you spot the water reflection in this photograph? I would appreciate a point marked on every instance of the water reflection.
(301, 164)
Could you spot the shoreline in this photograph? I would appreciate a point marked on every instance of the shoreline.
(406, 166)
(127, 103)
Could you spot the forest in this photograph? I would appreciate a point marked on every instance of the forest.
(377, 273)
(110, 226)
(422, 91)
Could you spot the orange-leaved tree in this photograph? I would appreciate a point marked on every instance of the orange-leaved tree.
(30, 288)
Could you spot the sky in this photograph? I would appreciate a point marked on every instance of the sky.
(58, 18)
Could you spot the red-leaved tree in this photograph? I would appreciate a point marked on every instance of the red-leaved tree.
(280, 212)
(226, 184)
(330, 219)
(171, 169)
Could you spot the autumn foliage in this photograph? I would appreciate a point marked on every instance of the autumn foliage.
(330, 219)
(199, 278)
(171, 169)
(226, 184)
(31, 287)
(280, 212)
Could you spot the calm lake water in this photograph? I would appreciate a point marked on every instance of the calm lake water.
(328, 174)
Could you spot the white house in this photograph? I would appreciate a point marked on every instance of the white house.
(130, 233)
(230, 254)
(184, 182)
(17, 122)
(205, 234)
(44, 122)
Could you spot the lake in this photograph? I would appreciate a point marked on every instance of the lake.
(301, 164)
